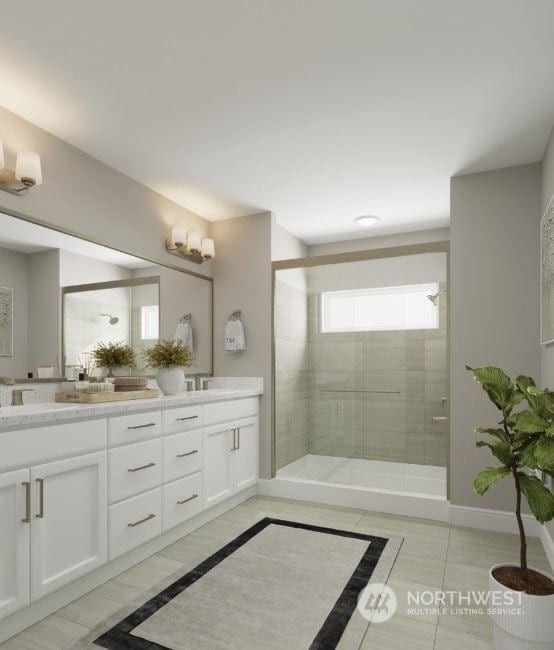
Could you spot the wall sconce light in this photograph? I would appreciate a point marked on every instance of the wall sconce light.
(191, 246)
(27, 174)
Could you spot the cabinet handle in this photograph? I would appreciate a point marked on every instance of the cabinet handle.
(143, 426)
(188, 453)
(180, 503)
(238, 438)
(40, 514)
(190, 417)
(27, 487)
(233, 448)
(137, 469)
(141, 521)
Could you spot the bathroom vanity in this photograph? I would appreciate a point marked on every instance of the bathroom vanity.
(88, 491)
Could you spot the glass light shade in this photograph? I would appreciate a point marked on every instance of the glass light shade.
(178, 236)
(2, 161)
(195, 242)
(27, 168)
(208, 249)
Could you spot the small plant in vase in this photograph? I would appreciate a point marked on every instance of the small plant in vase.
(522, 442)
(113, 356)
(169, 358)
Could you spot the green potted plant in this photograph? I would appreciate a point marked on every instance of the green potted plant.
(114, 356)
(522, 442)
(170, 358)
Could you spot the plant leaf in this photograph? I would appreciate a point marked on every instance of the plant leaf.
(501, 450)
(488, 477)
(539, 498)
(526, 456)
(492, 375)
(524, 383)
(529, 422)
(544, 453)
(497, 433)
(499, 396)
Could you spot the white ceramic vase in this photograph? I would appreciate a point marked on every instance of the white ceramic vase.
(533, 629)
(171, 380)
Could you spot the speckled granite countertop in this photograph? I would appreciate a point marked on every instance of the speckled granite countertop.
(32, 415)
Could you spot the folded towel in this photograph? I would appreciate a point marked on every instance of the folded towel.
(184, 334)
(239, 335)
(230, 339)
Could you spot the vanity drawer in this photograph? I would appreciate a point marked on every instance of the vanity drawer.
(230, 410)
(182, 500)
(182, 455)
(123, 429)
(182, 419)
(134, 522)
(134, 469)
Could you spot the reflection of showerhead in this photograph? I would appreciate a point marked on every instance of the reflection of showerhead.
(114, 320)
(434, 298)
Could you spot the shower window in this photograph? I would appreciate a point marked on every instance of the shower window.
(410, 307)
(150, 319)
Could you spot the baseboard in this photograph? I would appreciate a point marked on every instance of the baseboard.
(497, 521)
(58, 599)
(394, 503)
(548, 544)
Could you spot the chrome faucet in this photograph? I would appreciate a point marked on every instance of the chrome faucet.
(17, 395)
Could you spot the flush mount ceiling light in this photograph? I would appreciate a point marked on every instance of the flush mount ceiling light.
(27, 174)
(191, 246)
(367, 221)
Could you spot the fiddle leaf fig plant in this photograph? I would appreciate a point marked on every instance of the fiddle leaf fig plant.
(522, 441)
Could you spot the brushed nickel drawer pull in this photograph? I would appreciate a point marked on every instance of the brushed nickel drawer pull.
(143, 426)
(238, 438)
(27, 518)
(234, 447)
(190, 417)
(137, 469)
(188, 453)
(180, 503)
(141, 521)
(40, 482)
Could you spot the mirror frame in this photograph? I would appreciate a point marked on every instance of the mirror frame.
(71, 233)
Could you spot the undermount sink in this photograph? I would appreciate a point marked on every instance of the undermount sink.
(31, 409)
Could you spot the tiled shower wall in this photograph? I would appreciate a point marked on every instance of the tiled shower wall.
(292, 387)
(321, 404)
(394, 426)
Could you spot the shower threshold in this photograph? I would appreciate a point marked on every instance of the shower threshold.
(424, 480)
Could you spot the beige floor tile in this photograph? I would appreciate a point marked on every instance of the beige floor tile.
(450, 640)
(404, 526)
(408, 609)
(324, 515)
(148, 573)
(98, 604)
(399, 633)
(411, 567)
(52, 633)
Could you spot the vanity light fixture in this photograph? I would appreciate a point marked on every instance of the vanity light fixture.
(27, 174)
(191, 246)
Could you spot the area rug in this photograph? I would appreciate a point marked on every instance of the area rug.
(278, 585)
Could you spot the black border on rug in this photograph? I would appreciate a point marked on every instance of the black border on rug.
(119, 637)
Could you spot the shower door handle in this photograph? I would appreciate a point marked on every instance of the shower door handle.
(438, 419)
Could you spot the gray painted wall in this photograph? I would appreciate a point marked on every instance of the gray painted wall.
(494, 238)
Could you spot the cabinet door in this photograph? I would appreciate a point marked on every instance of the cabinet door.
(14, 541)
(69, 521)
(246, 454)
(218, 468)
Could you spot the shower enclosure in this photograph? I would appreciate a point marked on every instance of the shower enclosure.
(361, 373)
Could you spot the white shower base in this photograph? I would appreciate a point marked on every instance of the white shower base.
(425, 480)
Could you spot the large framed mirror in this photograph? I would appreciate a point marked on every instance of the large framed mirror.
(61, 296)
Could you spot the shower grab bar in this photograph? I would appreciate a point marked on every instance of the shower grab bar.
(358, 390)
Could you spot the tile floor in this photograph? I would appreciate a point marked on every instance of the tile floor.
(433, 556)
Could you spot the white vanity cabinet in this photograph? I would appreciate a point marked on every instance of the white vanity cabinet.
(68, 521)
(15, 508)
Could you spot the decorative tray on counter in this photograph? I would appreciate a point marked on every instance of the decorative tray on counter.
(98, 398)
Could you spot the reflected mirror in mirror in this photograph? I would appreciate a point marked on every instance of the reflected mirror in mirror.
(61, 296)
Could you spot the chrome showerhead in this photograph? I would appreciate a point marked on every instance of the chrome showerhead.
(114, 320)
(434, 298)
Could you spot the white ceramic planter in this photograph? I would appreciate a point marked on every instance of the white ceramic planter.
(171, 380)
(533, 629)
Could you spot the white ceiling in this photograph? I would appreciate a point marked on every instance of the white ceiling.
(320, 110)
(26, 237)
